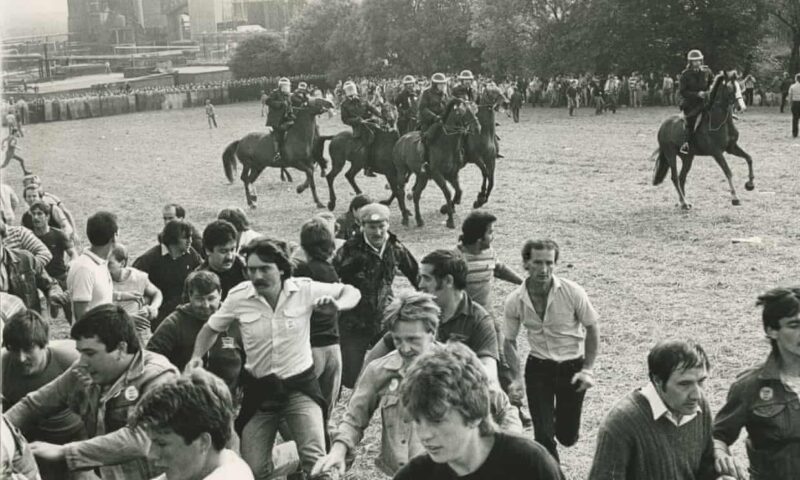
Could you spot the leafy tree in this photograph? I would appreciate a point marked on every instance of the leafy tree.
(787, 12)
(263, 54)
(310, 32)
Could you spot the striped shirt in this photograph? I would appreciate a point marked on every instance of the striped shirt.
(23, 239)
(480, 273)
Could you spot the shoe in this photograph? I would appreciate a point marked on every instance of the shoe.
(685, 148)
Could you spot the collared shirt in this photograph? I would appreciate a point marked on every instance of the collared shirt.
(659, 408)
(275, 341)
(794, 92)
(378, 251)
(90, 281)
(560, 336)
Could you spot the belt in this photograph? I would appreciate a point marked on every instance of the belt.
(574, 363)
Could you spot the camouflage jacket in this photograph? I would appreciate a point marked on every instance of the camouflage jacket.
(358, 264)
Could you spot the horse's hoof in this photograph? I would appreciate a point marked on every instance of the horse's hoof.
(420, 223)
(443, 210)
(409, 197)
(686, 206)
(451, 223)
(252, 206)
(320, 205)
(299, 189)
(749, 186)
(405, 221)
(736, 202)
(331, 206)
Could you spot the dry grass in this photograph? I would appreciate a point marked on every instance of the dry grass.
(651, 270)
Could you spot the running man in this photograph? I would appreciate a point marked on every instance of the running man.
(9, 144)
(210, 114)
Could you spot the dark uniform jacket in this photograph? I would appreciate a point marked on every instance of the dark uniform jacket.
(770, 412)
(280, 108)
(432, 104)
(692, 82)
(464, 92)
(516, 100)
(355, 111)
(360, 265)
(406, 102)
(299, 99)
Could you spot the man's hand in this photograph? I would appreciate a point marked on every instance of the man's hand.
(326, 305)
(584, 379)
(516, 394)
(58, 297)
(193, 364)
(702, 95)
(728, 467)
(332, 461)
(149, 311)
(48, 451)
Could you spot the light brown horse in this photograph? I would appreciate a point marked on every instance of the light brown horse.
(303, 148)
(715, 135)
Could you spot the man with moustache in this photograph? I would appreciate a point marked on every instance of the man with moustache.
(273, 311)
(107, 381)
(220, 245)
(562, 330)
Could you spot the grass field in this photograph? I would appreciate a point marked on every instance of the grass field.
(651, 270)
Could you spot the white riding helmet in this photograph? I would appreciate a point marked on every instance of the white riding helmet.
(302, 86)
(408, 79)
(694, 55)
(465, 75)
(350, 89)
(438, 78)
(284, 81)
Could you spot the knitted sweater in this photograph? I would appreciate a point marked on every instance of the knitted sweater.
(633, 446)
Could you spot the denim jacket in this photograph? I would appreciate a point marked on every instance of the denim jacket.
(119, 451)
(770, 412)
(379, 387)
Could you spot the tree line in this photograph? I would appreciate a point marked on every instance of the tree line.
(344, 38)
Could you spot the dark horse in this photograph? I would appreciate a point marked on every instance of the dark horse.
(481, 147)
(459, 120)
(715, 135)
(303, 149)
(343, 148)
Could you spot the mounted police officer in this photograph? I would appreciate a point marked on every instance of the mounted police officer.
(300, 96)
(355, 111)
(464, 90)
(280, 116)
(695, 82)
(432, 105)
(406, 100)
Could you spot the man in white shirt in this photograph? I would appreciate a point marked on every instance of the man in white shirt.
(188, 421)
(89, 281)
(273, 311)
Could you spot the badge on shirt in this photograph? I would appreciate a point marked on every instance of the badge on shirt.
(394, 384)
(290, 324)
(766, 394)
(131, 393)
(227, 342)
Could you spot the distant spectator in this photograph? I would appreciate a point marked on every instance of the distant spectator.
(239, 220)
(173, 211)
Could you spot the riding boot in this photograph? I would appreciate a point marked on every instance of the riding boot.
(689, 136)
(278, 145)
(425, 168)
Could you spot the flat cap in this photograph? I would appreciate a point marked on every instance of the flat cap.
(373, 212)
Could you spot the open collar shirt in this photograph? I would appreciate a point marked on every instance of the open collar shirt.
(276, 341)
(659, 408)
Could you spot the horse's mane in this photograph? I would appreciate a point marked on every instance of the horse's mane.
(718, 80)
(450, 106)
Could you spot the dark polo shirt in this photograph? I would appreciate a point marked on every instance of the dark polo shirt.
(470, 325)
(168, 274)
(227, 279)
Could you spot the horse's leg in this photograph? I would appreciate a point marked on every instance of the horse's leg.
(723, 164)
(419, 185)
(350, 175)
(285, 171)
(737, 150)
(336, 166)
(685, 167)
(673, 170)
(456, 192)
(398, 186)
(484, 193)
(442, 183)
(310, 182)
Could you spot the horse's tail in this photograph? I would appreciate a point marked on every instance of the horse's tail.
(229, 160)
(661, 168)
(318, 153)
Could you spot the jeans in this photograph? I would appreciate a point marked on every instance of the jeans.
(795, 117)
(304, 419)
(554, 403)
(328, 369)
(354, 347)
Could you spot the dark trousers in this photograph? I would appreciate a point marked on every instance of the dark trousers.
(784, 96)
(795, 118)
(354, 347)
(554, 403)
(515, 113)
(748, 97)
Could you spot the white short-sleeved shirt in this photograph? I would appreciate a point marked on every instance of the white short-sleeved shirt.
(275, 341)
(561, 335)
(89, 280)
(136, 283)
